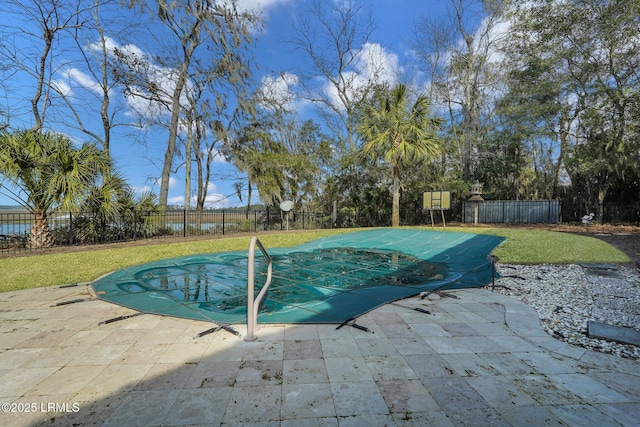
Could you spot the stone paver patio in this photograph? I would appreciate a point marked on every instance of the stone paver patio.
(478, 359)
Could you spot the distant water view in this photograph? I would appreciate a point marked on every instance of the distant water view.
(11, 229)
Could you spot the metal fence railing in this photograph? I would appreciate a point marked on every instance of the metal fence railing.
(613, 212)
(19, 231)
(16, 234)
(621, 213)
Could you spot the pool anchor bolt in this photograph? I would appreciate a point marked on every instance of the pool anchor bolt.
(230, 330)
(216, 329)
(117, 319)
(418, 309)
(352, 324)
(207, 332)
(423, 295)
(72, 285)
(73, 301)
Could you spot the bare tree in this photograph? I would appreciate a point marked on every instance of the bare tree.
(332, 36)
(204, 31)
(458, 54)
(95, 46)
(29, 44)
(65, 47)
(206, 133)
(433, 38)
(5, 114)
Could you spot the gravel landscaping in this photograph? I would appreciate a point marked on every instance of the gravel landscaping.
(566, 297)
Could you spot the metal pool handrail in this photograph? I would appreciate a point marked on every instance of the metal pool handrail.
(252, 305)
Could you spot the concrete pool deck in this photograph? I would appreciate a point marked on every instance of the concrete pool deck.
(478, 359)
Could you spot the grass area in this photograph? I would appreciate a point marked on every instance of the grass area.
(40, 270)
(522, 246)
(526, 246)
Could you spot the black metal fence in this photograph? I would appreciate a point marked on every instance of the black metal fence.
(622, 213)
(613, 212)
(83, 229)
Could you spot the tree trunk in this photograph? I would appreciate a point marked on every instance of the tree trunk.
(187, 167)
(35, 101)
(248, 200)
(395, 213)
(168, 158)
(564, 145)
(188, 47)
(40, 234)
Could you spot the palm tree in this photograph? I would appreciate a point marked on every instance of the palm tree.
(398, 133)
(46, 172)
(114, 211)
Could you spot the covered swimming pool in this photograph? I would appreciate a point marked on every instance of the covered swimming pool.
(328, 280)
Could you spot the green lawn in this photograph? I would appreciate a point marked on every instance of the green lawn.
(522, 246)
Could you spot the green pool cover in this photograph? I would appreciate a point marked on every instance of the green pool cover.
(327, 280)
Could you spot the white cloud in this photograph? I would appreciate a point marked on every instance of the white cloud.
(377, 64)
(111, 45)
(175, 201)
(140, 100)
(260, 8)
(140, 106)
(486, 40)
(214, 199)
(373, 65)
(278, 91)
(260, 5)
(489, 36)
(61, 87)
(73, 78)
(211, 187)
(217, 156)
(80, 78)
(172, 182)
(154, 103)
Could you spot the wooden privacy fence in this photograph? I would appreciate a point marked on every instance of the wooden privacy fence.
(514, 211)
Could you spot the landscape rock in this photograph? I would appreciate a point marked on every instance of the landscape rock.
(567, 297)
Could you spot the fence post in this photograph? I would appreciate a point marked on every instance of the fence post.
(222, 221)
(70, 229)
(184, 222)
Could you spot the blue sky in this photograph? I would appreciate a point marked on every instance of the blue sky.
(141, 165)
